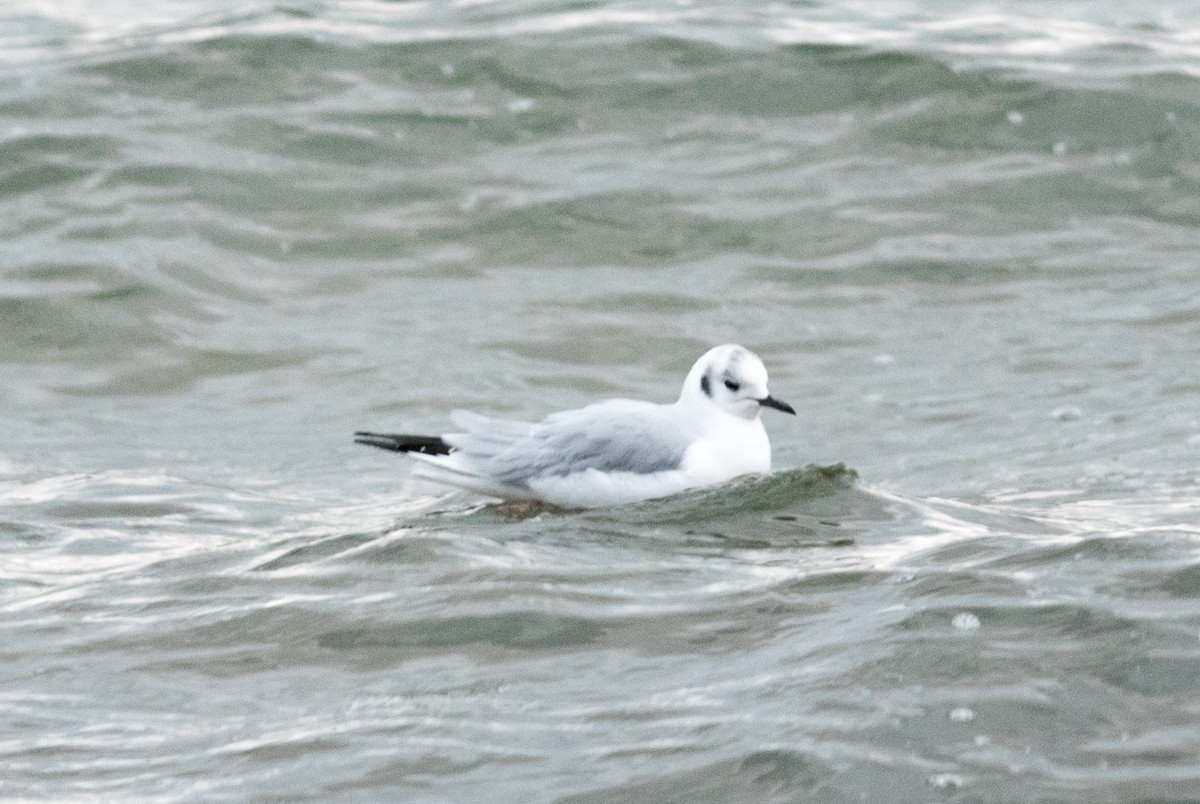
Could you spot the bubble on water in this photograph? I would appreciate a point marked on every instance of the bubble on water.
(519, 105)
(1015, 117)
(947, 781)
(965, 621)
(982, 740)
(1067, 413)
(962, 714)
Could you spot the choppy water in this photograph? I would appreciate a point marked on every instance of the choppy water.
(964, 239)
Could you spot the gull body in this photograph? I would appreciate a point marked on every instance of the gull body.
(612, 452)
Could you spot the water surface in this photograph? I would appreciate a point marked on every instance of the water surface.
(963, 239)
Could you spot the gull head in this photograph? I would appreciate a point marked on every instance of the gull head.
(732, 379)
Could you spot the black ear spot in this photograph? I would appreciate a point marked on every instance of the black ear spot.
(705, 386)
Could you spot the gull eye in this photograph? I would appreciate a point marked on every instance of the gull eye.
(733, 386)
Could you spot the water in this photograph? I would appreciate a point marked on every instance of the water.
(963, 239)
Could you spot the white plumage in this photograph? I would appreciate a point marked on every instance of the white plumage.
(612, 452)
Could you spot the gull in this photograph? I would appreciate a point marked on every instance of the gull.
(613, 452)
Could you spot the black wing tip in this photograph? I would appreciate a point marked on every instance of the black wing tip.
(401, 442)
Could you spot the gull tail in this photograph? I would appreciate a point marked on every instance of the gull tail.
(441, 463)
(400, 442)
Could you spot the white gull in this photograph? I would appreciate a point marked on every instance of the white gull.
(612, 452)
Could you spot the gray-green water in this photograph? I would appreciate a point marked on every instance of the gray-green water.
(964, 238)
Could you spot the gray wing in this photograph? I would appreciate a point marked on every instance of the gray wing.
(613, 436)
